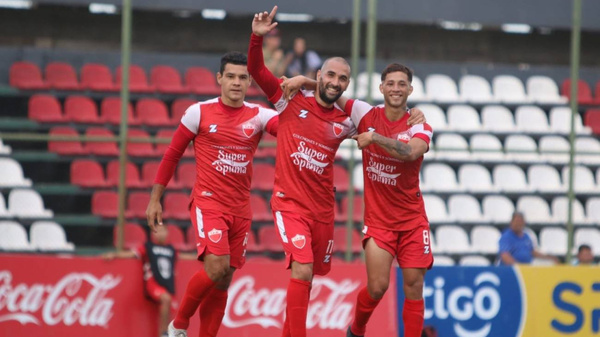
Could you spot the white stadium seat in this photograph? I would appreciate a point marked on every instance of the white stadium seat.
(531, 119)
(592, 208)
(509, 89)
(5, 149)
(474, 261)
(49, 236)
(475, 89)
(452, 146)
(587, 150)
(485, 239)
(475, 178)
(418, 94)
(553, 240)
(27, 203)
(436, 210)
(452, 239)
(497, 209)
(358, 178)
(510, 178)
(465, 209)
(534, 209)
(560, 208)
(521, 148)
(442, 261)
(13, 236)
(543, 90)
(436, 117)
(587, 236)
(3, 210)
(12, 174)
(440, 178)
(486, 147)
(544, 178)
(497, 118)
(583, 179)
(463, 118)
(560, 121)
(441, 88)
(555, 149)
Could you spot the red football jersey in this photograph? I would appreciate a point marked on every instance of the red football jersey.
(224, 145)
(393, 198)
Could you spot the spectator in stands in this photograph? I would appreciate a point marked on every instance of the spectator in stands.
(302, 61)
(273, 54)
(584, 256)
(516, 246)
(158, 258)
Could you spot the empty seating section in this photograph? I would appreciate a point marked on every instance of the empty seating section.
(62, 76)
(97, 77)
(27, 76)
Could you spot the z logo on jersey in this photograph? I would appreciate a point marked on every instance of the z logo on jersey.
(213, 128)
(303, 113)
(370, 129)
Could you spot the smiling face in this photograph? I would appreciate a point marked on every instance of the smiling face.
(395, 89)
(332, 80)
(234, 82)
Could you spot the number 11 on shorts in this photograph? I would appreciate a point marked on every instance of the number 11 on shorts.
(328, 252)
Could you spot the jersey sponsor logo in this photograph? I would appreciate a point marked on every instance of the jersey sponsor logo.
(370, 129)
(231, 163)
(248, 129)
(213, 128)
(309, 158)
(206, 194)
(382, 173)
(215, 235)
(303, 113)
(403, 137)
(338, 129)
(299, 241)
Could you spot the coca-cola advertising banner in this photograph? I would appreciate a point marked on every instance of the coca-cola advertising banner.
(77, 296)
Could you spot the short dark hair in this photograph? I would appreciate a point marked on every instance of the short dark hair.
(233, 57)
(582, 247)
(394, 67)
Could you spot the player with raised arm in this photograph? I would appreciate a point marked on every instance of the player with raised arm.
(225, 132)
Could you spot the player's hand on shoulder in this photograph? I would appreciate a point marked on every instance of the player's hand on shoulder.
(263, 22)
(364, 139)
(290, 86)
(416, 117)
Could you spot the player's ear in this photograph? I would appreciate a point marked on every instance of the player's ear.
(381, 87)
(410, 89)
(318, 75)
(219, 77)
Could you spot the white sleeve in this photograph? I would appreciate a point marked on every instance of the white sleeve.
(191, 118)
(359, 110)
(265, 116)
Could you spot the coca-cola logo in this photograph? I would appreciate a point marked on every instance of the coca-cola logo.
(331, 305)
(77, 298)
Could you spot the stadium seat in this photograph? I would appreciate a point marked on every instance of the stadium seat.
(553, 240)
(497, 118)
(26, 203)
(362, 86)
(592, 120)
(443, 261)
(152, 112)
(3, 210)
(87, 173)
(535, 210)
(149, 170)
(474, 261)
(436, 117)
(544, 178)
(137, 149)
(485, 239)
(357, 209)
(583, 179)
(358, 178)
(176, 206)
(452, 239)
(12, 174)
(67, 148)
(510, 178)
(97, 77)
(555, 149)
(4, 149)
(260, 211)
(49, 236)
(560, 208)
(167, 80)
(498, 209)
(475, 178)
(13, 237)
(440, 178)
(587, 236)
(587, 150)
(252, 246)
(463, 118)
(349, 93)
(442, 88)
(110, 111)
(270, 151)
(486, 147)
(269, 240)
(81, 109)
(465, 208)
(592, 209)
(521, 148)
(132, 174)
(61, 76)
(475, 89)
(340, 240)
(26, 76)
(263, 177)
(418, 94)
(543, 90)
(108, 148)
(509, 89)
(347, 148)
(137, 203)
(202, 81)
(435, 208)
(105, 204)
(560, 121)
(45, 109)
(134, 236)
(341, 178)
(451, 146)
(584, 92)
(138, 82)
(177, 239)
(161, 148)
(186, 175)
(178, 108)
(531, 119)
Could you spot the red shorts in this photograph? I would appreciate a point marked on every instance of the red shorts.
(412, 248)
(221, 234)
(155, 290)
(305, 240)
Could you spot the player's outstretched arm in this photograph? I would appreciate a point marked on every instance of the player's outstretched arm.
(410, 151)
(125, 254)
(261, 25)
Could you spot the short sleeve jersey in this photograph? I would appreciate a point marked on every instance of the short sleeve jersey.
(520, 247)
(225, 142)
(393, 199)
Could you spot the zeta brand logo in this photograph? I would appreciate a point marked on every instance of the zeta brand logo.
(370, 129)
(213, 128)
(303, 113)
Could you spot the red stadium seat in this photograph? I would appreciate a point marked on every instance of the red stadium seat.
(137, 203)
(61, 76)
(134, 236)
(178, 108)
(260, 211)
(167, 80)
(339, 239)
(190, 235)
(175, 206)
(268, 237)
(584, 92)
(26, 76)
(186, 174)
(101, 148)
(338, 216)
(176, 238)
(161, 148)
(152, 112)
(202, 81)
(87, 173)
(132, 174)
(597, 92)
(264, 151)
(138, 81)
(263, 177)
(139, 149)
(45, 109)
(81, 109)
(149, 171)
(357, 211)
(252, 246)
(592, 119)
(105, 204)
(341, 179)
(110, 111)
(65, 147)
(97, 77)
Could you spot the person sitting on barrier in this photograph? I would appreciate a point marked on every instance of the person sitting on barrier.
(516, 246)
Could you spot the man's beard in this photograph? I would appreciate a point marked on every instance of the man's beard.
(323, 93)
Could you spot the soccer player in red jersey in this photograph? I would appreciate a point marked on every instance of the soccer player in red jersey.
(225, 132)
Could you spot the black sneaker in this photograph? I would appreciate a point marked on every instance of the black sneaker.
(350, 334)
